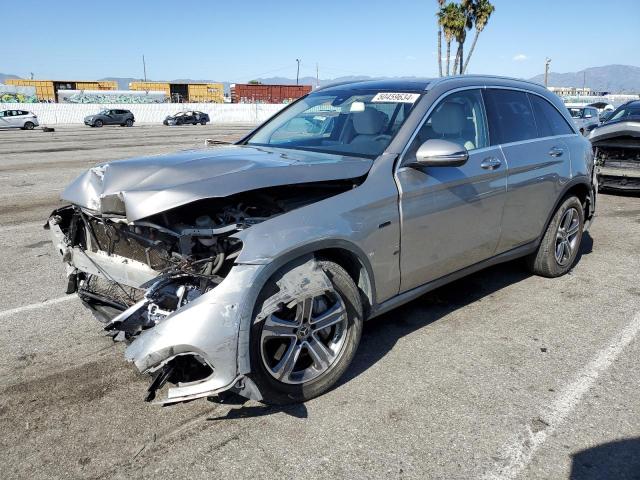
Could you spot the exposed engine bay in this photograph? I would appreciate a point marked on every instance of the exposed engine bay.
(617, 155)
(191, 247)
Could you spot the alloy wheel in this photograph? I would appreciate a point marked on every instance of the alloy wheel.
(304, 339)
(567, 236)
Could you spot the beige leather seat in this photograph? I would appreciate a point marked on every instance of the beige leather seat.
(369, 125)
(448, 123)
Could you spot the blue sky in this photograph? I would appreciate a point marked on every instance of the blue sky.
(238, 41)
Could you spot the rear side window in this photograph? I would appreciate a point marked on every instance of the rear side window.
(510, 116)
(549, 121)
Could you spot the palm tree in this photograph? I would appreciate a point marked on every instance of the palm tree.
(482, 10)
(441, 5)
(450, 18)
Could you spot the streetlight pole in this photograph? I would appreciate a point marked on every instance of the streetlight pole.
(144, 68)
(547, 62)
(298, 72)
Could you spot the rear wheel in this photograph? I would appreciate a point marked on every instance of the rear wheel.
(301, 345)
(28, 125)
(129, 122)
(98, 123)
(561, 242)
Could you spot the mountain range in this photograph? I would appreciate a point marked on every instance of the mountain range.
(608, 78)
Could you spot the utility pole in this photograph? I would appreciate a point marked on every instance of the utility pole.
(547, 62)
(317, 77)
(298, 72)
(144, 68)
(584, 82)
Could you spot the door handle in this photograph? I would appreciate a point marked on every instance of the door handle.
(490, 163)
(556, 152)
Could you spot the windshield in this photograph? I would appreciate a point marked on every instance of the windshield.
(576, 112)
(624, 112)
(349, 122)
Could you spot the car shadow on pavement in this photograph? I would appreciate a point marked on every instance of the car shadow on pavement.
(618, 460)
(381, 334)
(298, 410)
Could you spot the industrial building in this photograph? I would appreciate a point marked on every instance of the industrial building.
(184, 92)
(47, 90)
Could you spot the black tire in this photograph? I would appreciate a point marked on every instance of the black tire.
(544, 261)
(276, 392)
(203, 122)
(98, 123)
(129, 123)
(194, 123)
(28, 125)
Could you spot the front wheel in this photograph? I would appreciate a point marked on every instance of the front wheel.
(301, 344)
(203, 122)
(559, 247)
(98, 123)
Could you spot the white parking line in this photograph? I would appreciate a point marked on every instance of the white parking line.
(518, 453)
(36, 306)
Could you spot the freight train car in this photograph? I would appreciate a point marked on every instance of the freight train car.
(184, 92)
(258, 93)
(48, 90)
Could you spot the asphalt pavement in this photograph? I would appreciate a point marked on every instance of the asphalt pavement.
(501, 375)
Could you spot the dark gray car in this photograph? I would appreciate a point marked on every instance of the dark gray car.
(111, 116)
(252, 267)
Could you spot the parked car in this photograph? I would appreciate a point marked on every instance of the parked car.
(18, 119)
(585, 118)
(185, 118)
(112, 116)
(617, 149)
(251, 267)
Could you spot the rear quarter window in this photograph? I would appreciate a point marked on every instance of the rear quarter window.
(510, 116)
(548, 120)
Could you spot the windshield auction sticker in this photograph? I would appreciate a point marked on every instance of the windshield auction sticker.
(395, 97)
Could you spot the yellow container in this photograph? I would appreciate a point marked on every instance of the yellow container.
(206, 93)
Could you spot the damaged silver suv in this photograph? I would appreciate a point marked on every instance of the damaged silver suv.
(252, 267)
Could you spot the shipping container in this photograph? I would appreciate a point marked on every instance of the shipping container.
(258, 93)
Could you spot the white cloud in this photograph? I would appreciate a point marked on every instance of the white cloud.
(521, 57)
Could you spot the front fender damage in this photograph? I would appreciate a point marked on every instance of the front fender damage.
(203, 332)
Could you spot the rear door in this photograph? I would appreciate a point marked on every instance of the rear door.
(4, 119)
(450, 216)
(539, 161)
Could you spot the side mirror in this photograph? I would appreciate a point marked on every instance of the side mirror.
(441, 153)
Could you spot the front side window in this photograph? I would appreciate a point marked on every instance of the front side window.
(548, 120)
(510, 116)
(459, 118)
(576, 112)
(349, 122)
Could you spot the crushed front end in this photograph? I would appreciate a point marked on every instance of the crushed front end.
(168, 286)
(617, 155)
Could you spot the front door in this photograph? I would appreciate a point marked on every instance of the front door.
(451, 216)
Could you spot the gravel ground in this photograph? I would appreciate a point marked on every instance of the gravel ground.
(499, 375)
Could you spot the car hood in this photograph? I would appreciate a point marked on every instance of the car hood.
(615, 129)
(140, 187)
